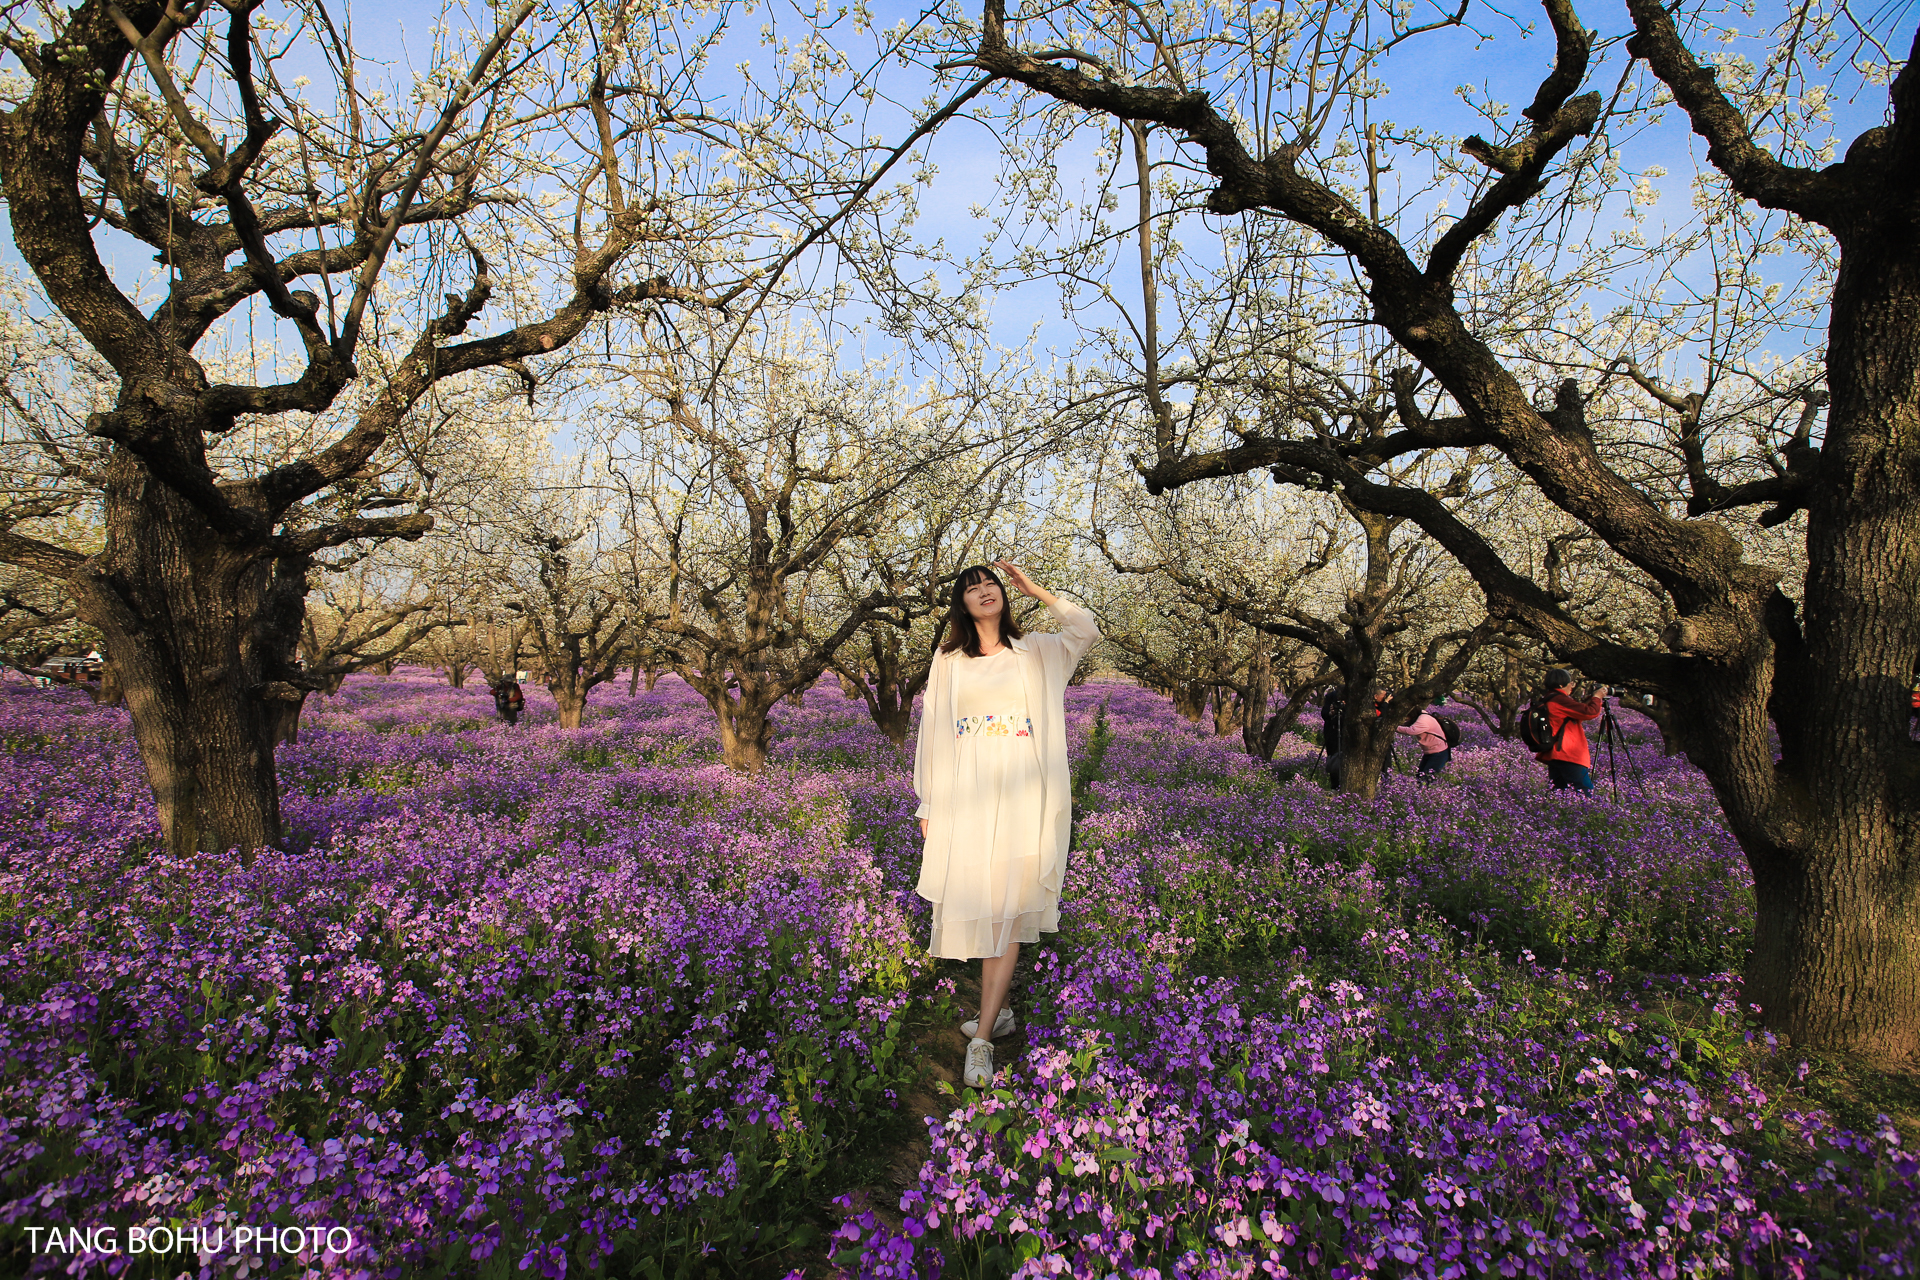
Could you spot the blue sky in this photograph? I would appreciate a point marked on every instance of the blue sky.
(1423, 76)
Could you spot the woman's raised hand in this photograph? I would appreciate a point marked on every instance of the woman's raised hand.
(1021, 582)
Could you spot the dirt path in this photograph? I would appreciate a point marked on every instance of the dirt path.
(943, 1053)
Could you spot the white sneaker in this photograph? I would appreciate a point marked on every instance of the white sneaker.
(979, 1070)
(1002, 1025)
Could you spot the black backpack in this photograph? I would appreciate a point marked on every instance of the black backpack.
(1536, 727)
(1450, 730)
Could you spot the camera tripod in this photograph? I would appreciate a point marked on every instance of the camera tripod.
(1610, 734)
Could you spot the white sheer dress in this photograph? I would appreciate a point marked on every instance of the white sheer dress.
(991, 893)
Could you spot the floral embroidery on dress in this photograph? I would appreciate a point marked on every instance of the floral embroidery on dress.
(994, 726)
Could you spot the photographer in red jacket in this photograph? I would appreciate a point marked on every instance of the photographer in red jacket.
(1567, 761)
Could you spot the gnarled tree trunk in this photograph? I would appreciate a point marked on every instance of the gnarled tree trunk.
(1259, 690)
(895, 683)
(1228, 715)
(746, 733)
(571, 703)
(202, 635)
(1366, 745)
(1836, 853)
(1190, 700)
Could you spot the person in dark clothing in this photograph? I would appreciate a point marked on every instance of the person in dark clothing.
(1333, 714)
(508, 700)
(1567, 760)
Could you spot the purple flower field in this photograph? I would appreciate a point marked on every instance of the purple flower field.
(546, 1002)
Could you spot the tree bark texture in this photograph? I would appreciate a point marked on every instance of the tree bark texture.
(570, 697)
(1366, 747)
(201, 635)
(746, 732)
(1836, 956)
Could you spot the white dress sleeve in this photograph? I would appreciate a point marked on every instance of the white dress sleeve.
(1064, 648)
(933, 751)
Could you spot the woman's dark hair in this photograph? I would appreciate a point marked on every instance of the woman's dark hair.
(958, 631)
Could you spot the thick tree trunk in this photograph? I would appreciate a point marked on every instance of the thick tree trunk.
(197, 630)
(1226, 717)
(890, 702)
(892, 687)
(1832, 828)
(745, 731)
(457, 673)
(1836, 948)
(570, 697)
(1836, 957)
(896, 722)
(1259, 690)
(1367, 746)
(653, 677)
(1190, 700)
(570, 684)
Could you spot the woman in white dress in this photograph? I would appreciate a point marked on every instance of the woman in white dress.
(996, 802)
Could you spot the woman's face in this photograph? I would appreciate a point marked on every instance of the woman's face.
(984, 600)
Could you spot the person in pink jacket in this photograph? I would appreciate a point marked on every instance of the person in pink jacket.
(1433, 743)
